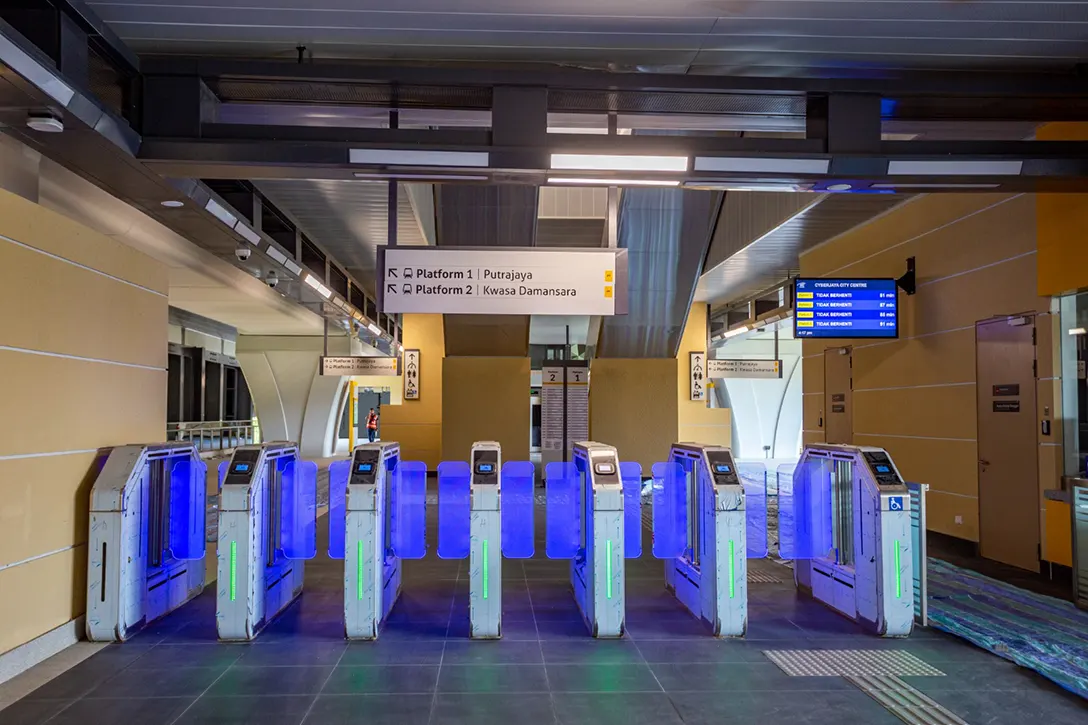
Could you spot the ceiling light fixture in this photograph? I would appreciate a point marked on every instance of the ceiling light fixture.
(617, 162)
(735, 331)
(248, 234)
(408, 157)
(749, 165)
(316, 284)
(1077, 331)
(44, 122)
(417, 177)
(374, 328)
(614, 182)
(839, 187)
(220, 212)
(172, 204)
(955, 168)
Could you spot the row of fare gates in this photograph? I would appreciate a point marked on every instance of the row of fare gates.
(845, 522)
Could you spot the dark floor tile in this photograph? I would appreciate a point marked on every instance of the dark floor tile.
(521, 630)
(775, 629)
(732, 677)
(254, 710)
(244, 681)
(415, 630)
(189, 655)
(392, 652)
(31, 712)
(548, 629)
(996, 675)
(492, 652)
(601, 678)
(173, 682)
(818, 707)
(495, 679)
(123, 711)
(588, 651)
(1015, 707)
(369, 710)
(90, 673)
(700, 650)
(294, 654)
(673, 626)
(711, 708)
(487, 709)
(615, 709)
(382, 679)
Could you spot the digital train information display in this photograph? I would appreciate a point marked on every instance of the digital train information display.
(845, 308)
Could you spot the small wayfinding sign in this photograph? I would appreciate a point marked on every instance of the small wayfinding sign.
(503, 281)
(358, 365)
(411, 374)
(744, 368)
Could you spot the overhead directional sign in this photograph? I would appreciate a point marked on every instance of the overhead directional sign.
(504, 281)
(358, 365)
(744, 368)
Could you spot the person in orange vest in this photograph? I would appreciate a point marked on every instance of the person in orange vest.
(371, 425)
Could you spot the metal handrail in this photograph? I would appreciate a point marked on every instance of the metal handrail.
(219, 435)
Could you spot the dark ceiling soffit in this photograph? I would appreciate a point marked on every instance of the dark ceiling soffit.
(894, 83)
(95, 26)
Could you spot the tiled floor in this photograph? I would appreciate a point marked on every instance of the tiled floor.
(545, 669)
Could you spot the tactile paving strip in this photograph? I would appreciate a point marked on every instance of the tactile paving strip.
(850, 663)
(905, 702)
(762, 577)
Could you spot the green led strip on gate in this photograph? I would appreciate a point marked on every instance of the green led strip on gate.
(359, 572)
(608, 567)
(732, 573)
(485, 568)
(233, 570)
(898, 574)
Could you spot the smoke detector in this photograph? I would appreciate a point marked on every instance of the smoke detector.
(44, 122)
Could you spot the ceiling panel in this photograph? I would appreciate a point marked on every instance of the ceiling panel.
(704, 35)
(348, 219)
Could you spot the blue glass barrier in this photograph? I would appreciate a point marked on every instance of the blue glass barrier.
(188, 491)
(518, 509)
(223, 466)
(339, 472)
(409, 510)
(298, 525)
(631, 476)
(563, 525)
(804, 511)
(753, 476)
(670, 520)
(454, 509)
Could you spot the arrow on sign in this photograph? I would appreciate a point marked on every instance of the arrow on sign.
(391, 288)
(392, 272)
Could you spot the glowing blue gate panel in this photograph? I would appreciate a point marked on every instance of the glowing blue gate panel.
(188, 519)
(338, 504)
(223, 473)
(409, 510)
(516, 502)
(631, 475)
(670, 511)
(563, 513)
(454, 509)
(804, 512)
(753, 477)
(298, 531)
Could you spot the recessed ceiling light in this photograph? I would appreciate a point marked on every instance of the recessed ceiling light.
(839, 187)
(172, 203)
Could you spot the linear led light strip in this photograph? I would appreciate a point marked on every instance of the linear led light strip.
(321, 289)
(614, 182)
(618, 162)
(410, 157)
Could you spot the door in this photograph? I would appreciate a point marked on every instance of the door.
(838, 395)
(1008, 465)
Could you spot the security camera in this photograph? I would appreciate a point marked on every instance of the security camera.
(242, 253)
(272, 279)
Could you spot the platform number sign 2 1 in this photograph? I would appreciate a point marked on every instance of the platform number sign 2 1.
(698, 375)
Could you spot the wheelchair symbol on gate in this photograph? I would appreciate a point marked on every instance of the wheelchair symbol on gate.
(895, 503)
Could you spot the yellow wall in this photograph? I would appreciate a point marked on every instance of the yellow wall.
(915, 396)
(696, 422)
(633, 406)
(485, 399)
(417, 424)
(83, 324)
(1062, 222)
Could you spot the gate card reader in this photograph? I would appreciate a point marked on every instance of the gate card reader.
(267, 528)
(851, 522)
(710, 577)
(147, 537)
